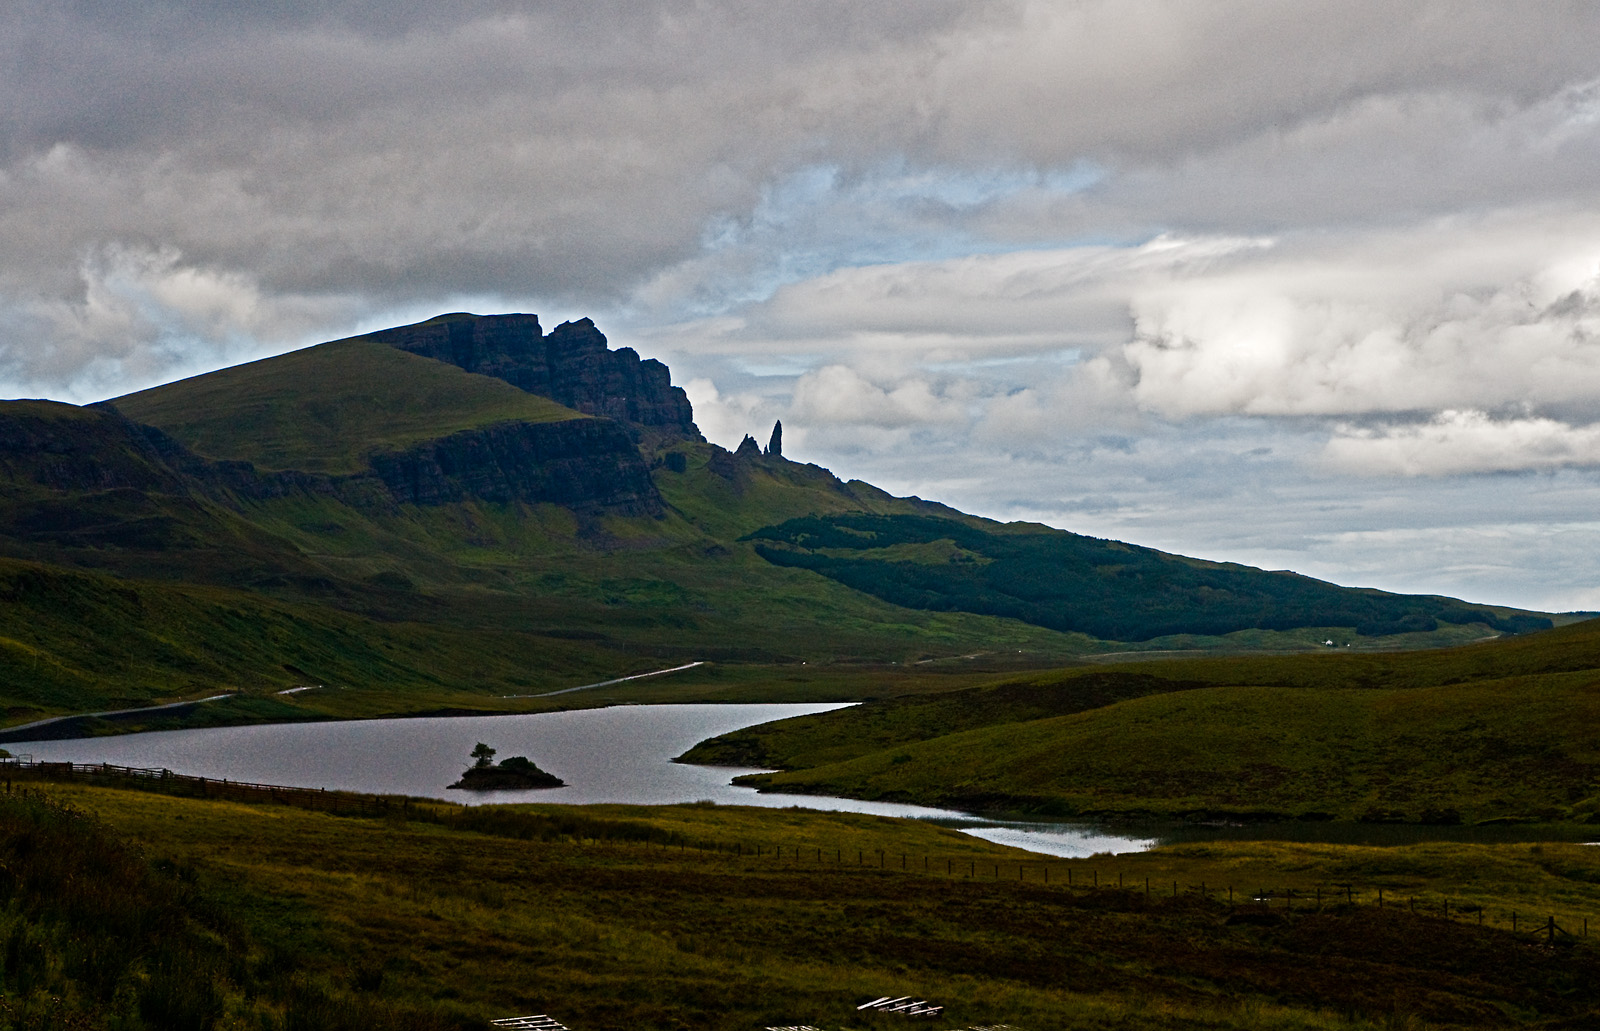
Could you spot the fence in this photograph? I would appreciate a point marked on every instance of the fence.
(169, 783)
(1068, 875)
(1084, 876)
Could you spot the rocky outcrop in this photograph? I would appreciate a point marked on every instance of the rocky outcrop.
(572, 364)
(775, 445)
(584, 464)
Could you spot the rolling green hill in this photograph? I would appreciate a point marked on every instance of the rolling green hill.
(1506, 730)
(324, 409)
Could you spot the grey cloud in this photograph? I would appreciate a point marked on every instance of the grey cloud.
(1006, 232)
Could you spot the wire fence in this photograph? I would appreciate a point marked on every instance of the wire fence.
(1077, 876)
(170, 783)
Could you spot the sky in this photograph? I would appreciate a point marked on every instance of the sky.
(1311, 286)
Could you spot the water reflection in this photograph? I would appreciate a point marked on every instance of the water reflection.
(618, 754)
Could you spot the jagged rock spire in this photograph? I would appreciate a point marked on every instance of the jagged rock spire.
(775, 445)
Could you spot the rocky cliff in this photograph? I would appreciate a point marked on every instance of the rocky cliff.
(584, 464)
(572, 364)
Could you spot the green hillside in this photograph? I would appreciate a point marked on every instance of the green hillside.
(499, 541)
(324, 408)
(862, 730)
(1508, 730)
(1106, 589)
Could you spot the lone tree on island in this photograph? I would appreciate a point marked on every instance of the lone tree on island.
(515, 773)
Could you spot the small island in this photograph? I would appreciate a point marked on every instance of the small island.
(514, 774)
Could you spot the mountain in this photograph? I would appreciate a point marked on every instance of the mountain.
(443, 515)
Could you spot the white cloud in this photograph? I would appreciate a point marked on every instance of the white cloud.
(1457, 442)
(144, 314)
(841, 395)
(1477, 313)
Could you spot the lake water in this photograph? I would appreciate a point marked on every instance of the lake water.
(617, 754)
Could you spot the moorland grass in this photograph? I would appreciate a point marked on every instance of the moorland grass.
(1523, 748)
(323, 409)
(423, 919)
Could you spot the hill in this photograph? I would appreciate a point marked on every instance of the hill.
(1504, 730)
(1106, 589)
(534, 510)
(326, 409)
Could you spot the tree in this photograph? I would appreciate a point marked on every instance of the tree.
(483, 756)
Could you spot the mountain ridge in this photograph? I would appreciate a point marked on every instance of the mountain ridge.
(367, 477)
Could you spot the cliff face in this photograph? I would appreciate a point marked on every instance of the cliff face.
(584, 464)
(572, 364)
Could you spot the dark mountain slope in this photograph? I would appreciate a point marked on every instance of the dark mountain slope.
(1106, 589)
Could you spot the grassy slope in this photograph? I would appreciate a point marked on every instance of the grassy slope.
(417, 917)
(679, 585)
(844, 734)
(1519, 749)
(73, 641)
(322, 409)
(1105, 588)
(1503, 730)
(851, 733)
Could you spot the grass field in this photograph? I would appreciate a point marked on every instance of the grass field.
(1504, 730)
(623, 917)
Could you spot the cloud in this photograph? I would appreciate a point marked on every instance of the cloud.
(1457, 442)
(143, 314)
(1482, 313)
(839, 395)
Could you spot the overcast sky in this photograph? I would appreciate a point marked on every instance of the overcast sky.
(1310, 286)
